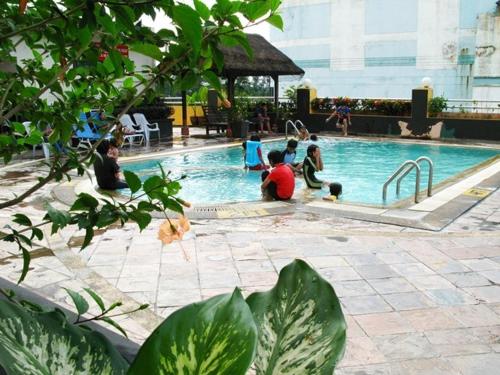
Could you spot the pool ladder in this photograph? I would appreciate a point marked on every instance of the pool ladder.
(294, 125)
(404, 170)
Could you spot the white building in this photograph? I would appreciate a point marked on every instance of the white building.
(383, 48)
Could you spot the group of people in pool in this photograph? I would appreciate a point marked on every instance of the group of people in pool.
(278, 178)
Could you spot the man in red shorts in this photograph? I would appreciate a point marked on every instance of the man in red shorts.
(278, 184)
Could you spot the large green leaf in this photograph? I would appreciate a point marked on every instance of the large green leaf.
(45, 343)
(214, 337)
(300, 322)
(189, 22)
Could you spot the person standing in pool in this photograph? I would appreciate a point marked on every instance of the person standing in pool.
(252, 154)
(312, 164)
(278, 184)
(343, 114)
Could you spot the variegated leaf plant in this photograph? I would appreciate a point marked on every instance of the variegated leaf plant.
(41, 343)
(300, 323)
(214, 337)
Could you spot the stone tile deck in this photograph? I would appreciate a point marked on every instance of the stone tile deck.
(416, 302)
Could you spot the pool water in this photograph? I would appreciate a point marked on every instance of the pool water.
(362, 167)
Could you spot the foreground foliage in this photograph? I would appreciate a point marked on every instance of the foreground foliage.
(73, 61)
(295, 328)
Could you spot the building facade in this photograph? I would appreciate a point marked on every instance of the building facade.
(383, 48)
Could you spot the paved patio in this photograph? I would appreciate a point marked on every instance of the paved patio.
(416, 302)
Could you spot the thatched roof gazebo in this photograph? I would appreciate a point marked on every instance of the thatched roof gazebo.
(267, 60)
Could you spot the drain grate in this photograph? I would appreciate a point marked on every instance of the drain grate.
(210, 209)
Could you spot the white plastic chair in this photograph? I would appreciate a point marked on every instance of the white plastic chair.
(146, 126)
(45, 145)
(127, 122)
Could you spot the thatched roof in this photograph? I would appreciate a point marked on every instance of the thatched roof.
(267, 60)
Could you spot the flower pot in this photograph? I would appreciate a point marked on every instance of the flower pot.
(239, 128)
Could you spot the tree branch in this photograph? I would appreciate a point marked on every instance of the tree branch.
(54, 79)
(42, 23)
(66, 166)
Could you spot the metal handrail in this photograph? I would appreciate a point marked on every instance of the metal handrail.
(299, 123)
(395, 174)
(429, 180)
(290, 122)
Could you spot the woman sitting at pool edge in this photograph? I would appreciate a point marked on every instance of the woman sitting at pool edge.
(278, 184)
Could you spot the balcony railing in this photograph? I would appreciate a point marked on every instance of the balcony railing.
(473, 106)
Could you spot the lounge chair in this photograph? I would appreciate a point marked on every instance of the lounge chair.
(146, 126)
(215, 119)
(127, 123)
(87, 135)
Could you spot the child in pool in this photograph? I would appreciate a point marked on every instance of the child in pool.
(335, 191)
(312, 164)
(252, 154)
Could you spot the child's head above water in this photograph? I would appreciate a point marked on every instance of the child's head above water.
(335, 189)
(313, 137)
(274, 157)
(292, 145)
(255, 138)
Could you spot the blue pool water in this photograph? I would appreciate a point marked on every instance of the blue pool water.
(362, 167)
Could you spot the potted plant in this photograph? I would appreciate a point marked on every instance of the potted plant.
(436, 105)
(237, 115)
(197, 98)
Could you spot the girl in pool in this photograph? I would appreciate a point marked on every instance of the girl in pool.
(312, 164)
(252, 154)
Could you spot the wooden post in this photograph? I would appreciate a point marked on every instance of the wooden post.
(276, 97)
(185, 128)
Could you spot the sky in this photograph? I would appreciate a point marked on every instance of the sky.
(162, 21)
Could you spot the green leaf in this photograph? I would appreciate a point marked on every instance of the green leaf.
(128, 83)
(84, 36)
(256, 9)
(36, 232)
(300, 322)
(46, 343)
(117, 60)
(147, 49)
(141, 218)
(213, 337)
(26, 264)
(153, 184)
(81, 304)
(59, 218)
(89, 234)
(114, 324)
(134, 182)
(274, 4)
(212, 79)
(276, 21)
(189, 22)
(202, 9)
(108, 64)
(22, 220)
(96, 298)
(84, 202)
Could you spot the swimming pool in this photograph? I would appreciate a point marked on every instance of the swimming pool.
(362, 167)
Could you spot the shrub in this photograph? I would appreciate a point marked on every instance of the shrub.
(437, 104)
